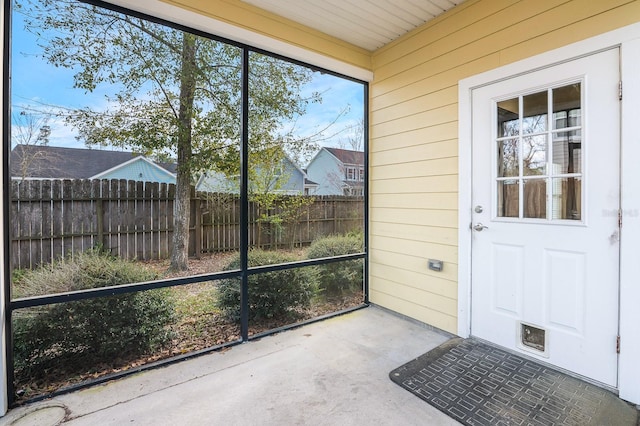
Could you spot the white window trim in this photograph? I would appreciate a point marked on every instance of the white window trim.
(351, 173)
(628, 39)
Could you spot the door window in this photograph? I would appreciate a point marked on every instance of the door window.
(539, 169)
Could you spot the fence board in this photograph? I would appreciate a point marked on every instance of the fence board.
(163, 224)
(35, 243)
(112, 212)
(47, 232)
(134, 220)
(144, 237)
(56, 219)
(67, 218)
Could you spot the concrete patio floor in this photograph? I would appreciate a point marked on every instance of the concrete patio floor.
(333, 372)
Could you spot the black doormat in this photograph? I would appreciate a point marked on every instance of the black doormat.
(478, 384)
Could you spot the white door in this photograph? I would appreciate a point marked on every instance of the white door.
(546, 198)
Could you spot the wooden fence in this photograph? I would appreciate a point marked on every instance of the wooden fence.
(50, 219)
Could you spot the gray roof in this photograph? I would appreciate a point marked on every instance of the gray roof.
(53, 162)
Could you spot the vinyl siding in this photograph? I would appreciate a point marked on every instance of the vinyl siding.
(140, 170)
(414, 119)
(325, 170)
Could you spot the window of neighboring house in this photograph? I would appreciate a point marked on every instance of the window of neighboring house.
(351, 173)
(361, 174)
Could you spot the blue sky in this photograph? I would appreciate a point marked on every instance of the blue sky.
(36, 84)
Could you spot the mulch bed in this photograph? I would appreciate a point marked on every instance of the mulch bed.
(196, 329)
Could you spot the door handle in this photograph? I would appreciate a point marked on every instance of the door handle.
(479, 227)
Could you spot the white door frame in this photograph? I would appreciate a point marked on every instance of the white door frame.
(628, 39)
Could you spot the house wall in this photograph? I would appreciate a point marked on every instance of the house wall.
(295, 179)
(325, 170)
(140, 170)
(414, 134)
(219, 182)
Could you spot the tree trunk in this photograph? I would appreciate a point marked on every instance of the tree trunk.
(182, 203)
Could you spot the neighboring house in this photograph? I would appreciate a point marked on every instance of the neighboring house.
(310, 187)
(51, 162)
(337, 172)
(285, 178)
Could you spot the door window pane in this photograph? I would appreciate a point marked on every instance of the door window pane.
(534, 110)
(508, 198)
(567, 200)
(534, 155)
(567, 152)
(508, 122)
(566, 106)
(508, 158)
(535, 198)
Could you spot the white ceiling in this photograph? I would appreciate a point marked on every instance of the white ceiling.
(369, 24)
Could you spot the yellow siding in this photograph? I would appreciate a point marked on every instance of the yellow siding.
(443, 283)
(445, 96)
(437, 218)
(438, 166)
(442, 304)
(243, 15)
(426, 151)
(401, 305)
(414, 144)
(432, 132)
(447, 183)
(447, 236)
(411, 247)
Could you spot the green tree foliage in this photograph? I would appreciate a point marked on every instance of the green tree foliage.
(172, 92)
(277, 211)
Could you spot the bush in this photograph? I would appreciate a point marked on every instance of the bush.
(271, 295)
(75, 335)
(338, 278)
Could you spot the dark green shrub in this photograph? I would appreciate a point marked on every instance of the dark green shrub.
(75, 335)
(271, 295)
(338, 278)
